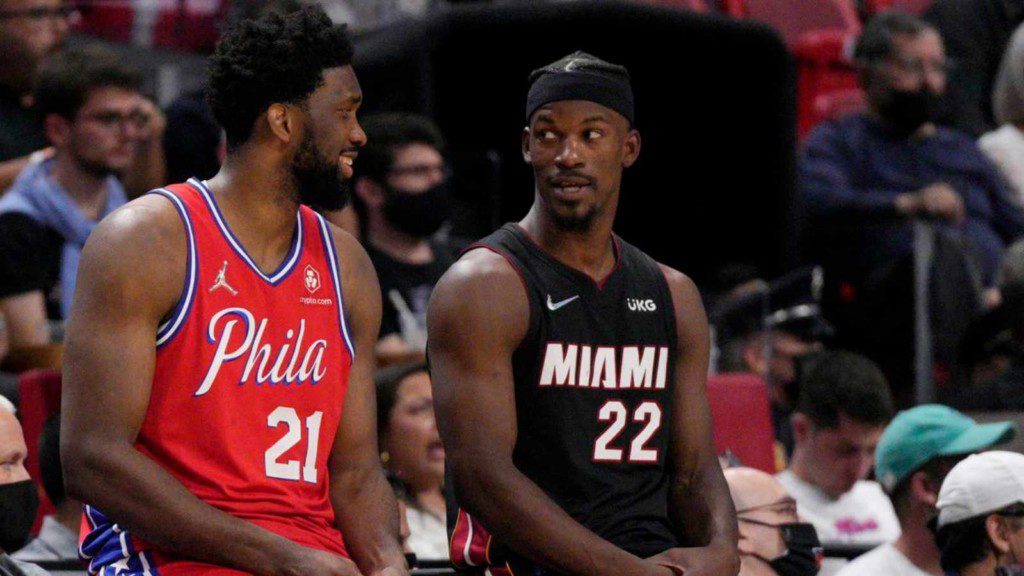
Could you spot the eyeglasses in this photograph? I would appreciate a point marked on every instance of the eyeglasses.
(41, 13)
(920, 67)
(111, 120)
(421, 170)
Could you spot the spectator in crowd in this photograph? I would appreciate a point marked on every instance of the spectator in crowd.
(843, 408)
(401, 194)
(976, 33)
(30, 30)
(768, 331)
(864, 175)
(1005, 391)
(411, 451)
(58, 537)
(93, 112)
(772, 541)
(1005, 145)
(980, 526)
(18, 496)
(916, 451)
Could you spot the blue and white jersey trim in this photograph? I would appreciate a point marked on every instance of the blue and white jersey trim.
(109, 551)
(286, 266)
(332, 262)
(169, 328)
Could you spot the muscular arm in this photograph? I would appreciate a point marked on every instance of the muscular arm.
(701, 507)
(130, 275)
(477, 316)
(364, 502)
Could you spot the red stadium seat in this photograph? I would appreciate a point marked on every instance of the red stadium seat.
(741, 419)
(39, 397)
(794, 18)
(826, 77)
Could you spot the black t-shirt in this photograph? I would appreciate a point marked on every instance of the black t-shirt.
(30, 258)
(22, 131)
(412, 282)
(593, 381)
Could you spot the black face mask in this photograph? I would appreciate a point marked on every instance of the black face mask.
(418, 214)
(904, 111)
(18, 504)
(803, 549)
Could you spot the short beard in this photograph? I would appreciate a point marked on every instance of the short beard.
(319, 183)
(97, 169)
(574, 223)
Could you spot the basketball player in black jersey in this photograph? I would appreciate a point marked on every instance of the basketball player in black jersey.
(569, 369)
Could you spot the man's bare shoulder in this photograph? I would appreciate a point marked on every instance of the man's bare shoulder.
(482, 268)
(146, 229)
(481, 288)
(679, 283)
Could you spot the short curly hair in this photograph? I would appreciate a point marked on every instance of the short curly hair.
(275, 58)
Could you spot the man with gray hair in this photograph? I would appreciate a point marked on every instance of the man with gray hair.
(18, 496)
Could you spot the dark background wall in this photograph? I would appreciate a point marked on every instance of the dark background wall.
(715, 109)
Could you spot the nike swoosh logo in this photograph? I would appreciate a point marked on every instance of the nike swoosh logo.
(556, 305)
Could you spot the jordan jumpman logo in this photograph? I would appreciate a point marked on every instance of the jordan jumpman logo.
(222, 282)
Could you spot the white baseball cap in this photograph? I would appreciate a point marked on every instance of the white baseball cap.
(980, 485)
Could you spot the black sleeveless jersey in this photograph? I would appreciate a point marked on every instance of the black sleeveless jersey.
(593, 392)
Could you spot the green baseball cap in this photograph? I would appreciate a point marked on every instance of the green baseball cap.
(917, 435)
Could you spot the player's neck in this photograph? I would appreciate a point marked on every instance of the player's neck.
(590, 251)
(800, 468)
(258, 207)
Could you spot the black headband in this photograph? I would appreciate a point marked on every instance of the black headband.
(604, 90)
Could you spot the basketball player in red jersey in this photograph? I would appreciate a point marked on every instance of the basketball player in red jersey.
(569, 369)
(218, 401)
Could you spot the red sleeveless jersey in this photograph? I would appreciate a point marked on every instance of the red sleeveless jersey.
(248, 388)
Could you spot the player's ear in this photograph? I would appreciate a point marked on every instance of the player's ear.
(631, 148)
(281, 123)
(526, 144)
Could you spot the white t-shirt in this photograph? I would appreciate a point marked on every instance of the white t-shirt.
(863, 515)
(1005, 148)
(428, 536)
(885, 560)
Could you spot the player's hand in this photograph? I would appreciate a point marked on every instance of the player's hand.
(302, 561)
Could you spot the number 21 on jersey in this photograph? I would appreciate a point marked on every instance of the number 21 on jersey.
(289, 470)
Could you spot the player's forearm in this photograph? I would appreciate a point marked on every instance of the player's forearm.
(702, 509)
(519, 514)
(143, 497)
(367, 515)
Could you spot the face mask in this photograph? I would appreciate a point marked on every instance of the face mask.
(904, 111)
(803, 549)
(419, 214)
(18, 503)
